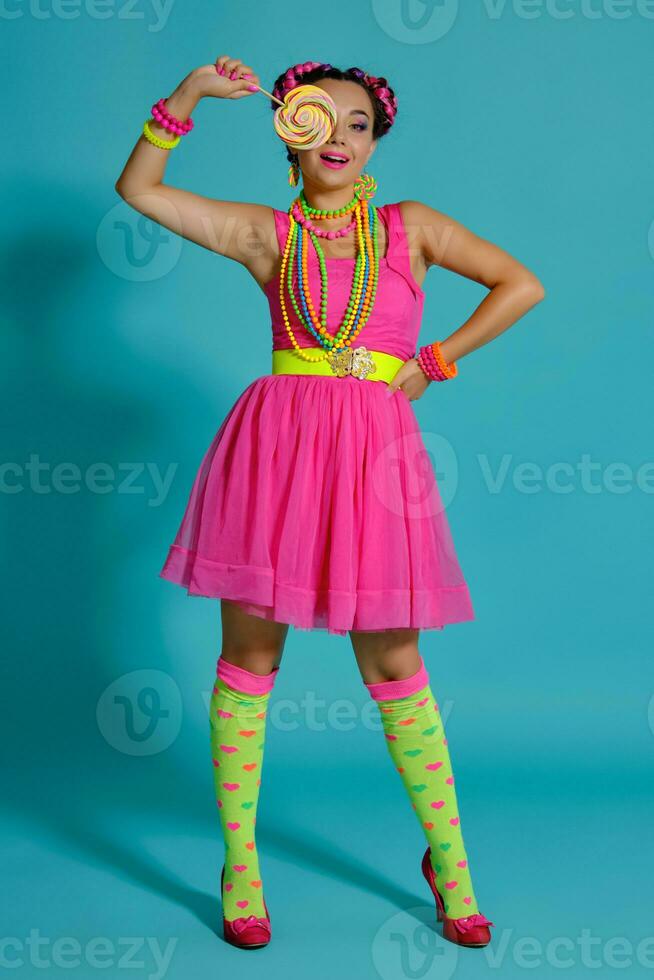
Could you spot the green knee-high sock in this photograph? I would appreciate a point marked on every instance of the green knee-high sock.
(238, 709)
(416, 742)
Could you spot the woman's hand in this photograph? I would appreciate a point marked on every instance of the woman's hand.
(411, 379)
(227, 78)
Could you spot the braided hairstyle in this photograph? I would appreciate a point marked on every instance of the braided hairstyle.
(382, 96)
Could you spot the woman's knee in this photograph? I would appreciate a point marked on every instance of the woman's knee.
(249, 641)
(387, 655)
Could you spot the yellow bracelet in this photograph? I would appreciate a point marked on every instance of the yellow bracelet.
(156, 141)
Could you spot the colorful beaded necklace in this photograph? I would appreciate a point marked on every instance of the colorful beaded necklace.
(364, 283)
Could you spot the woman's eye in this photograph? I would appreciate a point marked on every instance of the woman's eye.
(359, 125)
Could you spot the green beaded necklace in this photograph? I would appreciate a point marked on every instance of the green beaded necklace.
(322, 213)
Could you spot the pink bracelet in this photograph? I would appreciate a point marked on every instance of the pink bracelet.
(434, 364)
(436, 367)
(169, 122)
(427, 369)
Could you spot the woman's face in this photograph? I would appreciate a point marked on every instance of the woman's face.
(351, 138)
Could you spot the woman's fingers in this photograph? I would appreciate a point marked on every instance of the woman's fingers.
(409, 379)
(246, 74)
(225, 65)
(232, 68)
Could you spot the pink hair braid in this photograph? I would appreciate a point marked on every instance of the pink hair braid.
(293, 77)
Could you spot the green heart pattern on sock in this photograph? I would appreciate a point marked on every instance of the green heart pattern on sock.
(416, 742)
(238, 729)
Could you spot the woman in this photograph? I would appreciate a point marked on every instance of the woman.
(304, 510)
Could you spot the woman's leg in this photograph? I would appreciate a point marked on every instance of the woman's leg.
(251, 653)
(396, 678)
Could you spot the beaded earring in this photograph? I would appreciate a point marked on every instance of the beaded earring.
(294, 173)
(365, 186)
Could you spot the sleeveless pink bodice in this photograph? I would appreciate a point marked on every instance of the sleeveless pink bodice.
(394, 323)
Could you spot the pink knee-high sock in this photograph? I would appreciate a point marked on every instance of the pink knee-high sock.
(244, 680)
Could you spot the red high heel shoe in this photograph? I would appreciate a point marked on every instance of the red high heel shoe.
(470, 930)
(247, 931)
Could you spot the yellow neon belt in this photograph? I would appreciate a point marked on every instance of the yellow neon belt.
(359, 362)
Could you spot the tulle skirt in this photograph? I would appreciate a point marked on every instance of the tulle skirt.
(317, 504)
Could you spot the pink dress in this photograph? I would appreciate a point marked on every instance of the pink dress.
(316, 503)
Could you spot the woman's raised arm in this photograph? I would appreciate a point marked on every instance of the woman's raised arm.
(237, 230)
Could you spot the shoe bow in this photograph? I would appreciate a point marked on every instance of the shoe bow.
(470, 921)
(245, 922)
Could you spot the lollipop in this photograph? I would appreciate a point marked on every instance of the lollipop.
(306, 118)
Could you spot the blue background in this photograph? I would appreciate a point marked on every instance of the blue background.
(123, 345)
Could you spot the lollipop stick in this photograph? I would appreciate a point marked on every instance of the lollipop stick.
(269, 94)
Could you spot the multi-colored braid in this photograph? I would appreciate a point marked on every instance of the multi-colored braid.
(292, 77)
(381, 90)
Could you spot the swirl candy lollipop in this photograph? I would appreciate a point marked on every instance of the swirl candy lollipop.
(307, 117)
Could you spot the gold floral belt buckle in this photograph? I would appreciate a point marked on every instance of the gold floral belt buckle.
(355, 361)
